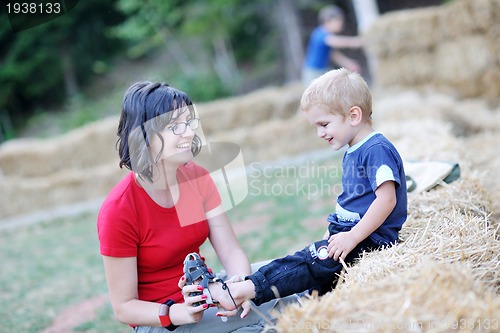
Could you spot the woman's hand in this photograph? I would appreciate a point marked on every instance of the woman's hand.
(193, 311)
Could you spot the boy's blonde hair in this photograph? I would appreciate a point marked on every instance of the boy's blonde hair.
(337, 91)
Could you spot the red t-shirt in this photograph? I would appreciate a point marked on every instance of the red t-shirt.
(131, 224)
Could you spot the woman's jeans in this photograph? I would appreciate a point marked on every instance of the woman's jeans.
(254, 322)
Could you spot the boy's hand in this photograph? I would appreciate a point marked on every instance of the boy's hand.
(339, 245)
(353, 66)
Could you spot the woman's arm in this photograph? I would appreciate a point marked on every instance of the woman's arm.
(121, 277)
(225, 243)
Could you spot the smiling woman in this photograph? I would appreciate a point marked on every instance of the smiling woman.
(148, 110)
(164, 209)
(170, 137)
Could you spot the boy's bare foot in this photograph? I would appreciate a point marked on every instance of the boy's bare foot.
(236, 294)
(223, 296)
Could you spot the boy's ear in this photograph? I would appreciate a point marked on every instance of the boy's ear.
(355, 115)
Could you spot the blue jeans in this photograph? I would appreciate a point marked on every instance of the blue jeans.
(307, 269)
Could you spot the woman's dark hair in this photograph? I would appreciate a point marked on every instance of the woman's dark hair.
(147, 109)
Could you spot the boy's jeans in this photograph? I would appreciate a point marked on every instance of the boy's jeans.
(306, 269)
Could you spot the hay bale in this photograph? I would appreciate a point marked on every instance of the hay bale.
(226, 114)
(470, 117)
(452, 47)
(455, 20)
(415, 122)
(82, 148)
(22, 196)
(40, 174)
(250, 109)
(474, 60)
(484, 157)
(491, 84)
(466, 17)
(418, 67)
(273, 139)
(415, 31)
(429, 297)
(446, 270)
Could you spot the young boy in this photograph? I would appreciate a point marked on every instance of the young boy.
(324, 43)
(370, 210)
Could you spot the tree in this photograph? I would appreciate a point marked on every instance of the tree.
(287, 18)
(366, 14)
(43, 65)
(202, 37)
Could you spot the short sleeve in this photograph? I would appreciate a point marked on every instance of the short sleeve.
(381, 165)
(117, 230)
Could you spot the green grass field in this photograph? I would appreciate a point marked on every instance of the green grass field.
(51, 266)
(46, 268)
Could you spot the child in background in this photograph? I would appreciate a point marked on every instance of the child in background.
(324, 43)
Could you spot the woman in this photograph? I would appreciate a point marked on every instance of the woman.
(164, 209)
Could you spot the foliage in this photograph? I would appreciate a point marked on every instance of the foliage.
(202, 87)
(151, 24)
(212, 38)
(215, 48)
(35, 61)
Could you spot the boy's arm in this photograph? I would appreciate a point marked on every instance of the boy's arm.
(341, 42)
(344, 242)
(343, 61)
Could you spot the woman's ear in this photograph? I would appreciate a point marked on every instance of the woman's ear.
(355, 115)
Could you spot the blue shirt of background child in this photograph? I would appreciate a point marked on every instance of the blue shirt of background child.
(318, 52)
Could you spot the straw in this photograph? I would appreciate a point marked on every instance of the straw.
(444, 274)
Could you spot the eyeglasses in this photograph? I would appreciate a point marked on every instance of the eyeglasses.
(180, 128)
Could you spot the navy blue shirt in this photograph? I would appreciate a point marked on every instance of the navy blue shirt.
(365, 166)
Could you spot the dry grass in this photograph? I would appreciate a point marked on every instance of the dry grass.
(444, 275)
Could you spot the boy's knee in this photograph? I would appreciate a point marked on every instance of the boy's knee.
(319, 250)
(319, 255)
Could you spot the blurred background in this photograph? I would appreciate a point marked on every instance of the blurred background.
(211, 49)
(433, 66)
